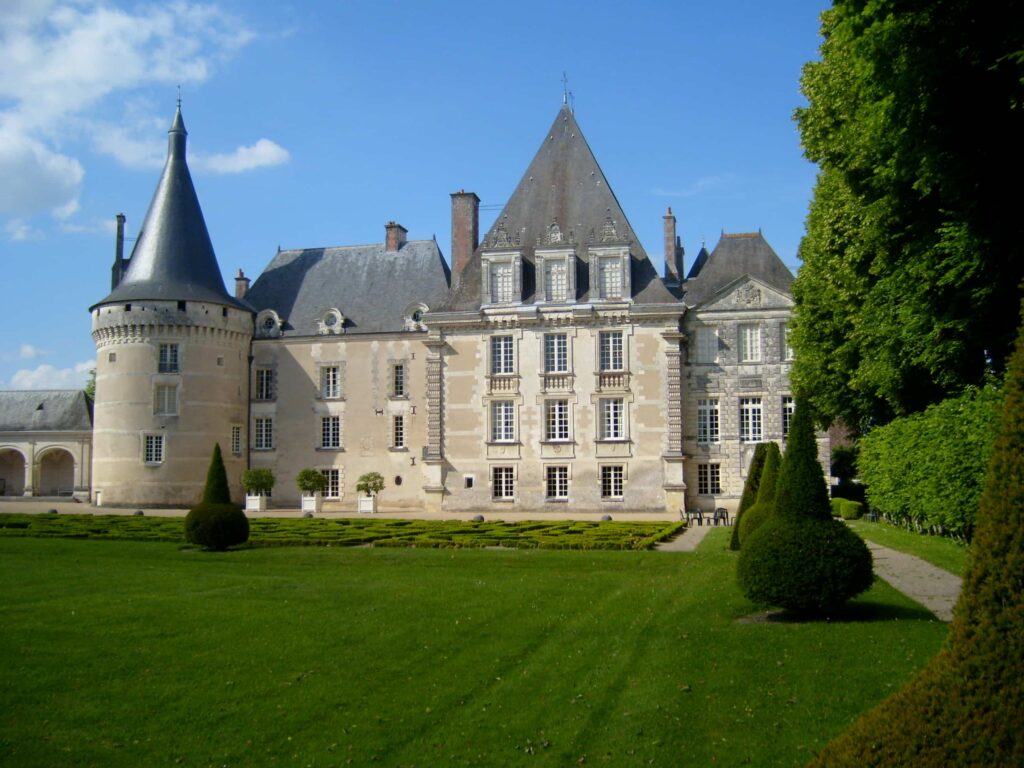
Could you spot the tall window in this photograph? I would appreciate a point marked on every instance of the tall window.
(264, 384)
(708, 480)
(556, 283)
(333, 489)
(166, 400)
(330, 382)
(610, 278)
(788, 406)
(236, 440)
(503, 485)
(168, 358)
(556, 419)
(750, 343)
(611, 482)
(707, 345)
(556, 353)
(610, 357)
(750, 420)
(503, 425)
(330, 431)
(707, 421)
(556, 483)
(398, 431)
(502, 359)
(263, 434)
(612, 424)
(153, 449)
(398, 380)
(502, 282)
(786, 349)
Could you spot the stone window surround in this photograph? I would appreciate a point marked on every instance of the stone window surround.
(490, 258)
(610, 475)
(544, 256)
(566, 481)
(621, 252)
(154, 449)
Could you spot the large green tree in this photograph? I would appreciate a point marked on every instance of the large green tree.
(913, 256)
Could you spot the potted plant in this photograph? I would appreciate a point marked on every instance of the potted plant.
(370, 484)
(312, 484)
(258, 484)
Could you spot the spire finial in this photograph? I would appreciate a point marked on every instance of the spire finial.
(179, 97)
(565, 88)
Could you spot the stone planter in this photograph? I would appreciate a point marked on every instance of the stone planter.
(312, 503)
(256, 503)
(367, 504)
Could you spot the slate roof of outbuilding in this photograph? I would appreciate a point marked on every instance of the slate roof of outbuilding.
(565, 184)
(45, 410)
(736, 255)
(173, 258)
(369, 286)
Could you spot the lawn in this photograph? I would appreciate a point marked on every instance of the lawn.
(121, 653)
(940, 551)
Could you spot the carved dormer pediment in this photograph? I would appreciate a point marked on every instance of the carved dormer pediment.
(746, 293)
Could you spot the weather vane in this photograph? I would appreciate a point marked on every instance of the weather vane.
(179, 97)
(567, 94)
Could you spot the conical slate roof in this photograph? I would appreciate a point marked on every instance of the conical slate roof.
(566, 187)
(173, 258)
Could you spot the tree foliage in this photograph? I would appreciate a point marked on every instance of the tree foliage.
(764, 506)
(749, 496)
(913, 253)
(216, 490)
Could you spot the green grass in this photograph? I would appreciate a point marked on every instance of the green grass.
(381, 532)
(132, 653)
(940, 551)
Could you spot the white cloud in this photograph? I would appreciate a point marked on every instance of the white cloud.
(35, 178)
(262, 154)
(20, 230)
(49, 377)
(31, 352)
(703, 184)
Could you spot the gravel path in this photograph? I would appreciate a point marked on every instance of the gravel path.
(687, 541)
(935, 589)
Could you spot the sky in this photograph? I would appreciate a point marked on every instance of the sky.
(313, 123)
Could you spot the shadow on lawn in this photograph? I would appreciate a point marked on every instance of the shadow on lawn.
(859, 612)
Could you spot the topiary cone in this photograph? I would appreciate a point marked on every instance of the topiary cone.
(749, 496)
(966, 707)
(216, 490)
(765, 504)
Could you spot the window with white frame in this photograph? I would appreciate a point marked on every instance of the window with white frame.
(788, 406)
(398, 431)
(750, 343)
(556, 483)
(707, 345)
(330, 382)
(610, 354)
(398, 380)
(165, 400)
(168, 359)
(333, 478)
(502, 355)
(263, 433)
(502, 282)
(556, 280)
(236, 440)
(708, 479)
(786, 349)
(503, 421)
(609, 277)
(556, 353)
(707, 421)
(612, 482)
(330, 431)
(750, 420)
(264, 384)
(153, 449)
(612, 419)
(503, 483)
(556, 419)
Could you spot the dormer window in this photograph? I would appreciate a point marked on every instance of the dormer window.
(502, 283)
(331, 322)
(412, 317)
(610, 273)
(555, 281)
(268, 324)
(502, 278)
(556, 275)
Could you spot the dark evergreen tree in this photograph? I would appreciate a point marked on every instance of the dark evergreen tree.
(764, 507)
(216, 490)
(215, 523)
(749, 496)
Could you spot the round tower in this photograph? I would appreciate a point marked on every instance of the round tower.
(172, 350)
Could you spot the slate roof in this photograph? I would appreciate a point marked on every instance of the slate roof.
(369, 286)
(736, 255)
(173, 258)
(53, 410)
(564, 184)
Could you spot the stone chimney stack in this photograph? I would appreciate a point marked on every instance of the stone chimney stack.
(241, 285)
(395, 238)
(673, 251)
(465, 230)
(117, 271)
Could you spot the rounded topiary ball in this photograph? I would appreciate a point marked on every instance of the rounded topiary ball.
(804, 565)
(216, 526)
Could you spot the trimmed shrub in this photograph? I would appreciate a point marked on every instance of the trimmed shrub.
(851, 510)
(749, 496)
(258, 482)
(311, 481)
(966, 706)
(762, 509)
(216, 526)
(216, 490)
(837, 506)
(371, 483)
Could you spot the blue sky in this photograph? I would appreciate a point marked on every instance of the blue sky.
(313, 123)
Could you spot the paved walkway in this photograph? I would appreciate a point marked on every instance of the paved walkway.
(687, 541)
(935, 589)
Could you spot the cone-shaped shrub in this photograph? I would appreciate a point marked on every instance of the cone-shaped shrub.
(801, 559)
(749, 496)
(966, 706)
(216, 523)
(765, 505)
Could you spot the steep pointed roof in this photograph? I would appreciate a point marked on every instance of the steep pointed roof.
(173, 258)
(743, 253)
(564, 185)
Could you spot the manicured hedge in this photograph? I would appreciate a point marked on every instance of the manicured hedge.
(837, 506)
(851, 510)
(925, 471)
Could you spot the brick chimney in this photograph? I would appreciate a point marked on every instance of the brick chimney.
(241, 285)
(673, 251)
(465, 230)
(395, 237)
(117, 271)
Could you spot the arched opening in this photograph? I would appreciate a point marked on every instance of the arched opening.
(56, 473)
(12, 473)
